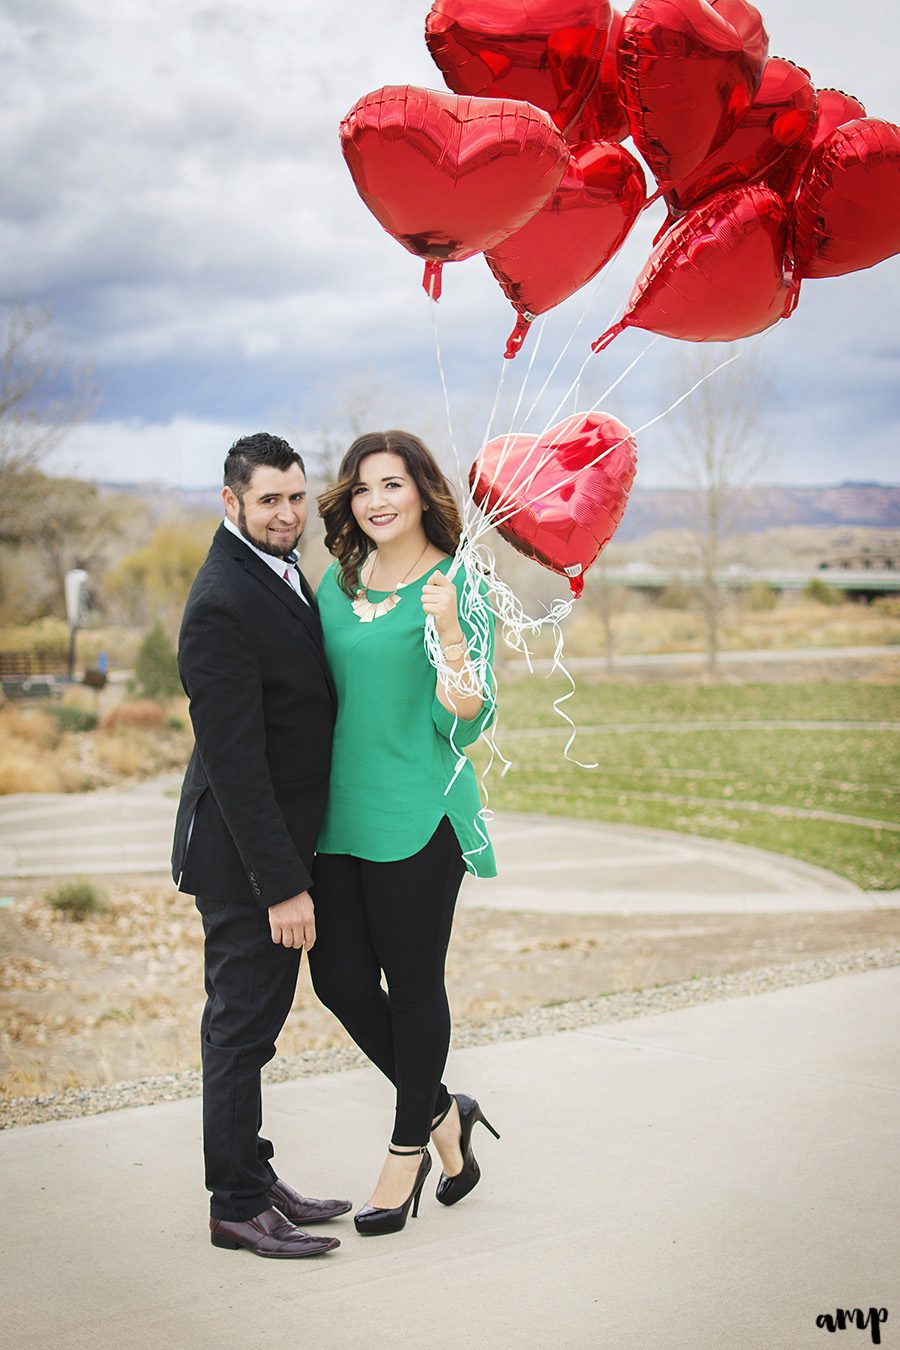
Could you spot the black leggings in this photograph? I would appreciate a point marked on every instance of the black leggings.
(393, 917)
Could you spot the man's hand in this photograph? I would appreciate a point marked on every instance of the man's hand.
(293, 922)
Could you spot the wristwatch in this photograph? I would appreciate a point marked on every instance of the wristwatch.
(455, 650)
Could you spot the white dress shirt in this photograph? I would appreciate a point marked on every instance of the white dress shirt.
(277, 565)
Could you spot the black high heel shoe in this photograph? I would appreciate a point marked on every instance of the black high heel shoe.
(451, 1189)
(371, 1221)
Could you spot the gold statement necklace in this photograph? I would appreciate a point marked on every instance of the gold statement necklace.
(367, 610)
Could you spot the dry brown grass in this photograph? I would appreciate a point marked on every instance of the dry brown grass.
(125, 753)
(26, 734)
(28, 726)
(78, 696)
(134, 740)
(804, 623)
(20, 773)
(139, 713)
(794, 622)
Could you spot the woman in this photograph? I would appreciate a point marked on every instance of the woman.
(399, 829)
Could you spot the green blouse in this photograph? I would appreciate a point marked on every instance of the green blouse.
(393, 758)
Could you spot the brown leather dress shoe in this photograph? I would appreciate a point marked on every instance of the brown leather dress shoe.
(269, 1234)
(300, 1208)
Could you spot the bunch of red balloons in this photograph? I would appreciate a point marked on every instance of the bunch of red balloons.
(768, 181)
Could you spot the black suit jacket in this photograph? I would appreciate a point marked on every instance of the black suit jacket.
(263, 706)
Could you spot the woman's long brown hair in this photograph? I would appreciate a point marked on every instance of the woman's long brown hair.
(442, 522)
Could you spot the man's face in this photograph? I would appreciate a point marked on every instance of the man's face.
(271, 510)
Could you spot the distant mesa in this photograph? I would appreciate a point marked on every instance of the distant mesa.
(651, 510)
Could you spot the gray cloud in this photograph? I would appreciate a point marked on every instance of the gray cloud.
(173, 188)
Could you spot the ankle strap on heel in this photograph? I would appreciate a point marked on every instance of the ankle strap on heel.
(407, 1152)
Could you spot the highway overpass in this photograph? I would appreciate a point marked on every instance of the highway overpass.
(861, 584)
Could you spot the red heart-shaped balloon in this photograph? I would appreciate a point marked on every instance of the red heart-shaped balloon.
(546, 52)
(604, 118)
(847, 215)
(771, 142)
(574, 235)
(689, 70)
(718, 274)
(450, 176)
(835, 108)
(559, 497)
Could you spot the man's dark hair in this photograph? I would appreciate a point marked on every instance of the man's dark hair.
(250, 452)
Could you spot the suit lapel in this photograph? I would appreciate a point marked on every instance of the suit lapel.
(309, 593)
(308, 614)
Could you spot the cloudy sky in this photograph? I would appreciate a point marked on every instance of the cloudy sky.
(174, 191)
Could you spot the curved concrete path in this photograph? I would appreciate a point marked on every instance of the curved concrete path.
(721, 1176)
(554, 864)
(546, 863)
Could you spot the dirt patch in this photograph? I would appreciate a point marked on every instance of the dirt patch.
(119, 995)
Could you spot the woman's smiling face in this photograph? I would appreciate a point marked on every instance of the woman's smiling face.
(385, 500)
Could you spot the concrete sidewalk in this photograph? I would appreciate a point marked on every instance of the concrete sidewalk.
(710, 1178)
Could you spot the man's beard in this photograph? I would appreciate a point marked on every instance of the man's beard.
(274, 550)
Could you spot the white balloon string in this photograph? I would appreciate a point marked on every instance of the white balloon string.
(581, 318)
(510, 435)
(432, 306)
(645, 426)
(476, 677)
(678, 401)
(566, 396)
(467, 489)
(553, 369)
(476, 612)
(485, 597)
(480, 568)
(587, 308)
(522, 479)
(628, 369)
(558, 702)
(517, 487)
(493, 413)
(535, 348)
(473, 516)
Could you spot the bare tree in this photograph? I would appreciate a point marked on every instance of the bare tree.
(606, 600)
(43, 394)
(719, 456)
(68, 523)
(353, 412)
(338, 413)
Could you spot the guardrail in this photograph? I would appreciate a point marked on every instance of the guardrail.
(864, 582)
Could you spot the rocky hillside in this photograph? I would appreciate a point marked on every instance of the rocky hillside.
(651, 510)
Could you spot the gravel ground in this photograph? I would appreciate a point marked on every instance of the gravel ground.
(117, 998)
(567, 1016)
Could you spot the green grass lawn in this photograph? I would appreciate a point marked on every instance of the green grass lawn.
(828, 795)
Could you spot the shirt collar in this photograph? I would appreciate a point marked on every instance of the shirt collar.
(276, 564)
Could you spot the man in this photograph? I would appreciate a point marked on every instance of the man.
(263, 706)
